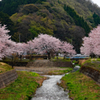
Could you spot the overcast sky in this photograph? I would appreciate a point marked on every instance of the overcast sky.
(97, 2)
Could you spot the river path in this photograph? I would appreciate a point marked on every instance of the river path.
(50, 90)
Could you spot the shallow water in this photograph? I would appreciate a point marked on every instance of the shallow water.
(50, 90)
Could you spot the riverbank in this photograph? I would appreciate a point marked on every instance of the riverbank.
(45, 70)
(23, 87)
(80, 86)
(4, 67)
(27, 82)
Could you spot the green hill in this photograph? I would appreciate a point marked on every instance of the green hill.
(69, 20)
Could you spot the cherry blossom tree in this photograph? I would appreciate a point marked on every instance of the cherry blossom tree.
(20, 48)
(2, 47)
(46, 44)
(91, 44)
(4, 37)
(67, 49)
(7, 46)
(30, 46)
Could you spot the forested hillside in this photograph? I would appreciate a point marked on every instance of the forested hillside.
(11, 6)
(69, 20)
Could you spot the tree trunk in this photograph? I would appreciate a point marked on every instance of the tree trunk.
(12, 62)
(64, 56)
(49, 57)
(57, 55)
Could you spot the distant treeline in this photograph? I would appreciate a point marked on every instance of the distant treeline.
(11, 6)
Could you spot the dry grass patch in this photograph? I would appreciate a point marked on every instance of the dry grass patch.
(4, 67)
(59, 72)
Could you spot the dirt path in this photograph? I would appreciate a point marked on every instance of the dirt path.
(40, 70)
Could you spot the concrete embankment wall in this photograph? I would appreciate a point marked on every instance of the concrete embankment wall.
(62, 64)
(91, 72)
(7, 78)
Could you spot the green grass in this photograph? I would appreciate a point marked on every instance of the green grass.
(74, 61)
(81, 87)
(94, 63)
(63, 60)
(4, 67)
(23, 88)
(58, 57)
(60, 72)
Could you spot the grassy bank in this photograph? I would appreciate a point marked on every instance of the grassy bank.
(59, 72)
(93, 63)
(60, 59)
(4, 67)
(81, 87)
(23, 87)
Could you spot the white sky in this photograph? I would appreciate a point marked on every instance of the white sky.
(96, 2)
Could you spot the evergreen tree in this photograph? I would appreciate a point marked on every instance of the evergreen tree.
(79, 21)
(96, 19)
(5, 20)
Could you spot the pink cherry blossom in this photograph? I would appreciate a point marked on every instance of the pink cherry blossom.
(91, 44)
(45, 44)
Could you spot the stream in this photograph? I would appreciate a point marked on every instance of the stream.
(50, 90)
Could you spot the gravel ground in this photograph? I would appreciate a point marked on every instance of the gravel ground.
(40, 70)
